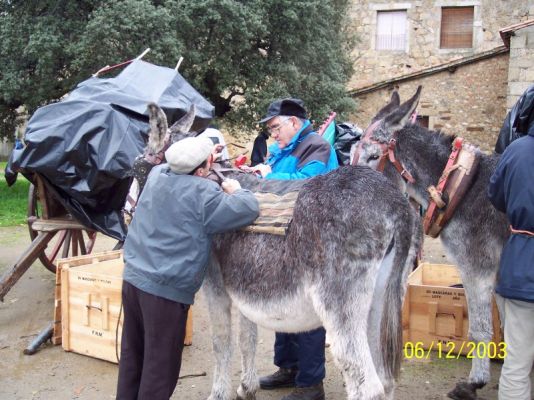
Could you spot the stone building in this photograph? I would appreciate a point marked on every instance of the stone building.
(519, 38)
(473, 58)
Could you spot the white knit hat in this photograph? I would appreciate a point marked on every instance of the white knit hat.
(187, 154)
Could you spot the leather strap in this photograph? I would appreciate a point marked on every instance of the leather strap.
(388, 152)
(391, 155)
(454, 182)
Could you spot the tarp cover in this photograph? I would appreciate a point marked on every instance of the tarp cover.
(347, 135)
(518, 120)
(85, 145)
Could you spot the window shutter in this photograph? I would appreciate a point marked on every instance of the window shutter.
(456, 27)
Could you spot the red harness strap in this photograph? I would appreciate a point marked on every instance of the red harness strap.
(388, 152)
(449, 167)
(391, 155)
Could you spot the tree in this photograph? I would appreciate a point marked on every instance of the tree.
(238, 54)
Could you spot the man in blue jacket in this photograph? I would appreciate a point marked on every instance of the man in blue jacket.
(511, 190)
(298, 153)
(165, 254)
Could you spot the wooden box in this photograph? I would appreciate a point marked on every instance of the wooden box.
(68, 263)
(435, 311)
(91, 308)
(91, 304)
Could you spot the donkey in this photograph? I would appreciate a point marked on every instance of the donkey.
(160, 137)
(342, 264)
(473, 237)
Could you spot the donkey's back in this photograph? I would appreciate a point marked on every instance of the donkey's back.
(350, 214)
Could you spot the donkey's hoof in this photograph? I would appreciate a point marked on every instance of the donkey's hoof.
(244, 394)
(221, 396)
(465, 391)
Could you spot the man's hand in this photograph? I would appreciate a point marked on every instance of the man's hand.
(230, 186)
(264, 169)
(217, 152)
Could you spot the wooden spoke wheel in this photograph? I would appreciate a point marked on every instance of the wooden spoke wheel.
(65, 243)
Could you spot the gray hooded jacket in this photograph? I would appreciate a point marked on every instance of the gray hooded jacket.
(168, 243)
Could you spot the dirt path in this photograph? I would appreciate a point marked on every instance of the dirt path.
(55, 374)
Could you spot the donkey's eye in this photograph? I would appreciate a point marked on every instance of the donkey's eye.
(373, 158)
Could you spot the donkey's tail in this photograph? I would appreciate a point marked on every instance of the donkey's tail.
(407, 243)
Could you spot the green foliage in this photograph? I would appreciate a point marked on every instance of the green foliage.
(239, 54)
(13, 200)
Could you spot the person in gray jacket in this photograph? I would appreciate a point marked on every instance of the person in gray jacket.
(165, 254)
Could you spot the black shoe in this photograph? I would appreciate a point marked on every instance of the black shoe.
(315, 392)
(283, 378)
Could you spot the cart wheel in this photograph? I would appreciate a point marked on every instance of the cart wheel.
(65, 243)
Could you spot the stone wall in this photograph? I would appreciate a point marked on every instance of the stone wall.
(521, 69)
(469, 102)
(423, 35)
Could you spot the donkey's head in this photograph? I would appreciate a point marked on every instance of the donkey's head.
(161, 135)
(378, 141)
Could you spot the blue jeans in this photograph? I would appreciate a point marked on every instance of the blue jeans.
(302, 351)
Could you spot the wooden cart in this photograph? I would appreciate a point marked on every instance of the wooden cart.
(55, 236)
(54, 232)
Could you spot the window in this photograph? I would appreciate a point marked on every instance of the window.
(391, 30)
(422, 120)
(456, 27)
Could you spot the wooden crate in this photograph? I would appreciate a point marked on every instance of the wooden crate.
(90, 302)
(435, 312)
(68, 263)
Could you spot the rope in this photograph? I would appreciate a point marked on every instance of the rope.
(521, 232)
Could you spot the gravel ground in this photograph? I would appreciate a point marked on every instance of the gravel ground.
(55, 374)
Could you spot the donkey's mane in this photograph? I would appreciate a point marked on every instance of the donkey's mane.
(438, 140)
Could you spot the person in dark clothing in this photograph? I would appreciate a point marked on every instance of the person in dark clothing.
(259, 149)
(511, 190)
(517, 121)
(298, 153)
(166, 254)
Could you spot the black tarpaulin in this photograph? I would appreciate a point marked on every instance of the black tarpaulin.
(517, 121)
(85, 145)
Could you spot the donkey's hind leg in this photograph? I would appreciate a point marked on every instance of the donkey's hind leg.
(248, 334)
(344, 311)
(219, 305)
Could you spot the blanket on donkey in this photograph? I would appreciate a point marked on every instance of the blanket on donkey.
(276, 213)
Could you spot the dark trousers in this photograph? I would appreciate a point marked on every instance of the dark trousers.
(152, 342)
(302, 351)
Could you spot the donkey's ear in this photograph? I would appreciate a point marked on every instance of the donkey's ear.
(393, 104)
(182, 128)
(397, 119)
(158, 128)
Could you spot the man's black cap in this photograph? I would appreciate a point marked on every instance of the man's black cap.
(289, 107)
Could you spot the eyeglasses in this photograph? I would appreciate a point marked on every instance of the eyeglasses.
(276, 128)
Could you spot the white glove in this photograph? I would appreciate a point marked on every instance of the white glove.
(264, 169)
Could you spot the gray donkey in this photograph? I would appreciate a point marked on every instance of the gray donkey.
(475, 235)
(343, 264)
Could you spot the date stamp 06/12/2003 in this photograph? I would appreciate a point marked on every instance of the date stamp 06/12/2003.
(451, 350)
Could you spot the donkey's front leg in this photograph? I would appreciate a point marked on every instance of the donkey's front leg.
(219, 305)
(479, 292)
(248, 335)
